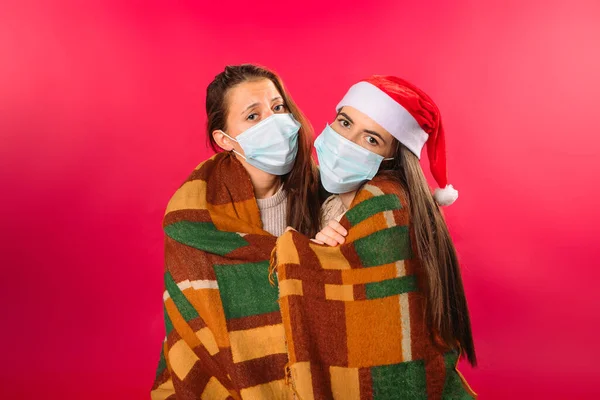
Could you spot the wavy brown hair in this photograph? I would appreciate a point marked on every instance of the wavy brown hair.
(446, 305)
(301, 183)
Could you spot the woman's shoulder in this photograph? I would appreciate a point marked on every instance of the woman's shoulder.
(332, 208)
(205, 168)
(191, 193)
(331, 200)
(380, 193)
(385, 186)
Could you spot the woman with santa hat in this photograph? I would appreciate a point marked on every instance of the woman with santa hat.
(374, 306)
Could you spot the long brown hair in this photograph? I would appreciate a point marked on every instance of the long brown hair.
(446, 310)
(301, 184)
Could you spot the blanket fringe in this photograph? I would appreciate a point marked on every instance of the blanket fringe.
(273, 267)
(289, 381)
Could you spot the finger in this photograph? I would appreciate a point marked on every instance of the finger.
(326, 239)
(316, 241)
(336, 226)
(289, 228)
(328, 231)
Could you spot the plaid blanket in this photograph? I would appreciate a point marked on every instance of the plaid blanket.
(353, 314)
(224, 333)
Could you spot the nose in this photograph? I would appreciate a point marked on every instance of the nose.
(353, 135)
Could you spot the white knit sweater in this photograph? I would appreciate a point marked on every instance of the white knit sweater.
(273, 212)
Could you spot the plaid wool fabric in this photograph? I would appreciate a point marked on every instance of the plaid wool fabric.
(353, 314)
(224, 333)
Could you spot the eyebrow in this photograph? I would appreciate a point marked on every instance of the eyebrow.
(346, 116)
(364, 130)
(249, 107)
(374, 134)
(255, 104)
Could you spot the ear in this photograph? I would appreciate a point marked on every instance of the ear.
(222, 141)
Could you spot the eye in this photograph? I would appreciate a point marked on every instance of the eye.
(344, 122)
(371, 140)
(252, 117)
(279, 108)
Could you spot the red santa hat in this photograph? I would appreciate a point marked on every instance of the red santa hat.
(411, 116)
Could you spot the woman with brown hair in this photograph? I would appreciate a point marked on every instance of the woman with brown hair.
(376, 308)
(224, 334)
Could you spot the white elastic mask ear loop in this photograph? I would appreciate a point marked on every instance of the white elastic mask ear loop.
(234, 141)
(397, 148)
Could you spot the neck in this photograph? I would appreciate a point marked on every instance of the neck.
(265, 184)
(347, 198)
(266, 187)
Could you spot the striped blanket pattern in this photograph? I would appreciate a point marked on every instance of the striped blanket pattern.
(224, 332)
(354, 315)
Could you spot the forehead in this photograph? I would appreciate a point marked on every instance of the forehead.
(249, 92)
(363, 121)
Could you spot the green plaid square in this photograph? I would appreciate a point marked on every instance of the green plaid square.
(245, 289)
(406, 381)
(453, 387)
(370, 207)
(384, 247)
(391, 287)
(205, 236)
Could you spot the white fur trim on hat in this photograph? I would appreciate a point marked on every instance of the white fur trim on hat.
(445, 196)
(387, 112)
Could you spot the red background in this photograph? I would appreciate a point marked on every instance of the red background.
(101, 118)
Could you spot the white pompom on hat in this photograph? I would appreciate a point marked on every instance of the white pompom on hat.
(411, 116)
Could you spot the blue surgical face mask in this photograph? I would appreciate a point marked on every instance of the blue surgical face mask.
(343, 164)
(271, 145)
